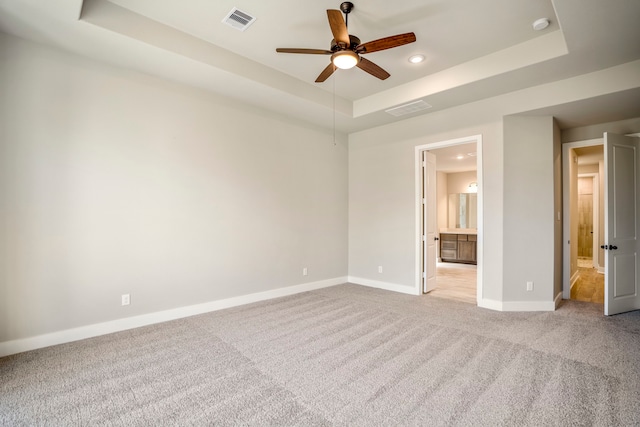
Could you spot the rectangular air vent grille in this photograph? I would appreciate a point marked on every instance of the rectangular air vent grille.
(409, 108)
(238, 19)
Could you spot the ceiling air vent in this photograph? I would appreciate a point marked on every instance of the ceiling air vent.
(238, 19)
(409, 108)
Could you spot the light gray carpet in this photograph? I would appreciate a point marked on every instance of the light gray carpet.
(346, 355)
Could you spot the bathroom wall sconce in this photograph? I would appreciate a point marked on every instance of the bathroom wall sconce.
(473, 187)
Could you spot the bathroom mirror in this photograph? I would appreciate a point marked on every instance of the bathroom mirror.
(463, 210)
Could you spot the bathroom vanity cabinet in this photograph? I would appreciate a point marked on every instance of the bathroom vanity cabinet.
(458, 247)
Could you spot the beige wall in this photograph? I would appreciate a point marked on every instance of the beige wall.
(458, 182)
(584, 133)
(114, 182)
(382, 211)
(529, 208)
(587, 169)
(382, 218)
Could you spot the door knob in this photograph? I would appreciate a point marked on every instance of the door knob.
(604, 247)
(613, 247)
(436, 238)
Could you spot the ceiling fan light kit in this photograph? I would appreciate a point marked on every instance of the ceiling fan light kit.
(345, 59)
(346, 49)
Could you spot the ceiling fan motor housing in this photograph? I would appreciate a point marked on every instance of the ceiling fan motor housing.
(355, 41)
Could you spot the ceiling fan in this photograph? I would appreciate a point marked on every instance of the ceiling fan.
(346, 49)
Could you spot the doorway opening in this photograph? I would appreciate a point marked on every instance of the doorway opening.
(449, 219)
(584, 222)
(589, 285)
(619, 183)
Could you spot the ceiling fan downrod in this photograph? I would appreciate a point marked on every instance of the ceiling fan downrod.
(346, 8)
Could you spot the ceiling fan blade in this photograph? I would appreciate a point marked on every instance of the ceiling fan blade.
(386, 43)
(326, 73)
(373, 69)
(307, 51)
(338, 27)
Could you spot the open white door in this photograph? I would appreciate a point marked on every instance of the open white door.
(429, 235)
(622, 221)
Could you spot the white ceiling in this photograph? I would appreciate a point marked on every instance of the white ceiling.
(474, 49)
(456, 158)
(289, 23)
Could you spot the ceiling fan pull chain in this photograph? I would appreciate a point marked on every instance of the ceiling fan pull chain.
(334, 112)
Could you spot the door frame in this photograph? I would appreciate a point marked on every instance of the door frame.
(566, 209)
(418, 197)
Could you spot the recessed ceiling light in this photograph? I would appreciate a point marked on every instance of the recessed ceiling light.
(459, 157)
(541, 24)
(416, 59)
(471, 154)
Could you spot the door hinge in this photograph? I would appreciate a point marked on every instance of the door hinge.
(424, 274)
(424, 238)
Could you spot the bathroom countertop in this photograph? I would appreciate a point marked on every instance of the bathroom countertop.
(459, 230)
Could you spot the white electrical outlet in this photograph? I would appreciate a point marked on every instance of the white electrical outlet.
(126, 299)
(379, 269)
(529, 286)
(305, 271)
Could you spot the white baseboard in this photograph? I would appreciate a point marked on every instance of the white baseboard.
(394, 287)
(490, 304)
(520, 305)
(60, 337)
(558, 300)
(528, 306)
(601, 270)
